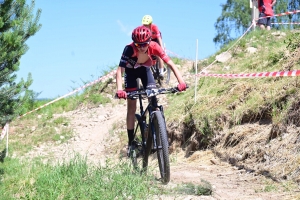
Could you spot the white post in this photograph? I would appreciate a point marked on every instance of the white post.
(7, 140)
(196, 70)
(254, 13)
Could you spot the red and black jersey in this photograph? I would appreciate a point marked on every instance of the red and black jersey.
(264, 3)
(129, 57)
(155, 32)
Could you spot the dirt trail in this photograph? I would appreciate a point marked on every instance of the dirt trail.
(93, 131)
(92, 134)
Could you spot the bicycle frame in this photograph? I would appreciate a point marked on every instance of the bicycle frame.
(151, 107)
(156, 141)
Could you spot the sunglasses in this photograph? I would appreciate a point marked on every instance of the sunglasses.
(141, 44)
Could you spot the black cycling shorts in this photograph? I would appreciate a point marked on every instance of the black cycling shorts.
(264, 21)
(144, 73)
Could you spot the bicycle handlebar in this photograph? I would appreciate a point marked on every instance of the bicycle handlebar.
(151, 92)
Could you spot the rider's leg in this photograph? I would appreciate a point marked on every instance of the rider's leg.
(160, 61)
(131, 108)
(161, 67)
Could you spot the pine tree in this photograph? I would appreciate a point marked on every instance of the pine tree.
(17, 24)
(284, 6)
(235, 17)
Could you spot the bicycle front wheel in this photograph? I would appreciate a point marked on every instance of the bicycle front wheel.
(162, 146)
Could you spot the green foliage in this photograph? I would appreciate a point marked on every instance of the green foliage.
(275, 57)
(98, 99)
(282, 6)
(176, 60)
(61, 121)
(17, 24)
(94, 95)
(292, 41)
(236, 16)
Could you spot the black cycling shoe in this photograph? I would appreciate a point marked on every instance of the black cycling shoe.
(135, 146)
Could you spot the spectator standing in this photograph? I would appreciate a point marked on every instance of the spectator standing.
(265, 8)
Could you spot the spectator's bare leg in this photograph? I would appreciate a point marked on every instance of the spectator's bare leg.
(262, 27)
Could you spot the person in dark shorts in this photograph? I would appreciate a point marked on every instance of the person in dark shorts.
(265, 8)
(135, 62)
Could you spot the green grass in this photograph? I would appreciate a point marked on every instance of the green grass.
(236, 99)
(73, 180)
(76, 179)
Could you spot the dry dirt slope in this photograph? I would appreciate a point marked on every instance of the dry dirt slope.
(96, 128)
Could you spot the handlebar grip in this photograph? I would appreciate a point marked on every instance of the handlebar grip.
(116, 97)
(179, 90)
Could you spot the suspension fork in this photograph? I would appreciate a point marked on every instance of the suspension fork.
(152, 108)
(143, 120)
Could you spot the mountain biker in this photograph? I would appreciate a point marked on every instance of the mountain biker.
(136, 60)
(156, 37)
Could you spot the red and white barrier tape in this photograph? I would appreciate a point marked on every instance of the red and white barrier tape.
(255, 75)
(280, 14)
(103, 78)
(4, 131)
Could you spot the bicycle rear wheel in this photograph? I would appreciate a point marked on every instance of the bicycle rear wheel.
(155, 72)
(162, 146)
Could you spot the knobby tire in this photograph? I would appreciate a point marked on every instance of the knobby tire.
(162, 146)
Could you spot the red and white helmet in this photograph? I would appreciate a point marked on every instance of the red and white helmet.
(141, 34)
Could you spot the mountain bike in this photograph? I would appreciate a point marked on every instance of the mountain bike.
(150, 132)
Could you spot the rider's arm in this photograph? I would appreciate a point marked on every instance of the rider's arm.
(126, 55)
(119, 74)
(176, 71)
